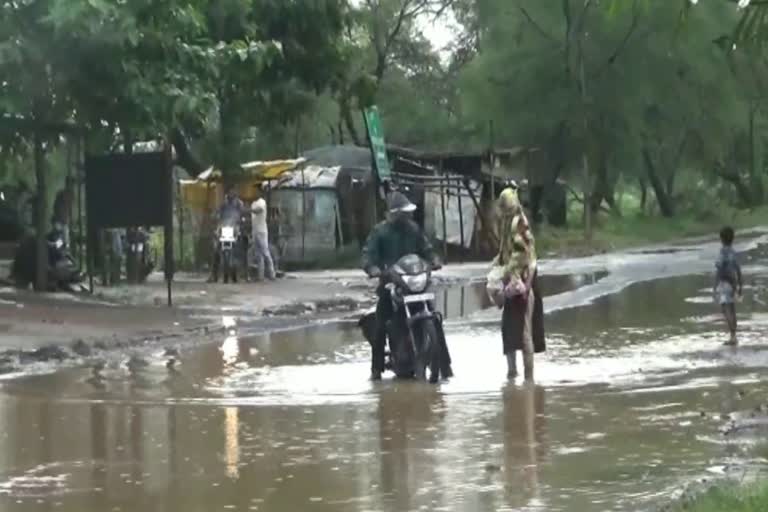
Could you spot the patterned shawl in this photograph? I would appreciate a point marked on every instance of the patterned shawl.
(517, 246)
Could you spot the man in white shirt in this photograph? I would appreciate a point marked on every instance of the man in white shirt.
(262, 256)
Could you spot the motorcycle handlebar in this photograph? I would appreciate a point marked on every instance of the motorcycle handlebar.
(383, 273)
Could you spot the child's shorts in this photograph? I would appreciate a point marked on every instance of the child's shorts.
(724, 293)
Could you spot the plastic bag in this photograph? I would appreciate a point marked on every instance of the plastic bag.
(515, 288)
(495, 285)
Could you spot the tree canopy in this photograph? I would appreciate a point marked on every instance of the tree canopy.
(662, 95)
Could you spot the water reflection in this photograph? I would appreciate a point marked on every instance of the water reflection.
(524, 444)
(230, 350)
(410, 419)
(232, 442)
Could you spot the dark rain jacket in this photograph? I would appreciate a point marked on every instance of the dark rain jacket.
(388, 242)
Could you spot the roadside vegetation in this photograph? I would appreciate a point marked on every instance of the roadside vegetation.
(636, 228)
(728, 498)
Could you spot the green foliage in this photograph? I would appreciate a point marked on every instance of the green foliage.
(141, 68)
(729, 498)
(678, 83)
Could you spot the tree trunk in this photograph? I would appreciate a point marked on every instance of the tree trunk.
(610, 200)
(670, 183)
(41, 218)
(128, 141)
(184, 156)
(643, 194)
(665, 202)
(228, 157)
(349, 121)
(756, 184)
(588, 220)
(603, 190)
(743, 190)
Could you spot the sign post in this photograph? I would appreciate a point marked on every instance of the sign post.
(124, 191)
(382, 172)
(378, 146)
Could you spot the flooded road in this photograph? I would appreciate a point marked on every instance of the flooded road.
(626, 409)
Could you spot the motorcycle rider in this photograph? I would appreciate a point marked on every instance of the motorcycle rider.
(230, 213)
(389, 241)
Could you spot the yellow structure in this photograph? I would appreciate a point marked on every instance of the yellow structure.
(207, 191)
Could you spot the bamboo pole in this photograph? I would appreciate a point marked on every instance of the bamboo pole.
(461, 224)
(442, 208)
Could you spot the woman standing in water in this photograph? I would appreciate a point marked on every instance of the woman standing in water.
(522, 323)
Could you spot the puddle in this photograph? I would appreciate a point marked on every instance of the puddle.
(461, 301)
(286, 420)
(672, 250)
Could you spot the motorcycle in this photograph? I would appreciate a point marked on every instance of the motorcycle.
(138, 264)
(414, 332)
(228, 235)
(63, 273)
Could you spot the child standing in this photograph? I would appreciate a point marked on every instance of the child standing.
(728, 284)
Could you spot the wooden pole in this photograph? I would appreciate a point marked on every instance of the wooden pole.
(442, 209)
(303, 215)
(492, 159)
(168, 231)
(338, 223)
(486, 225)
(41, 214)
(180, 219)
(461, 222)
(80, 184)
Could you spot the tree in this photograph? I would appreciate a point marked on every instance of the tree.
(148, 70)
(620, 85)
(378, 31)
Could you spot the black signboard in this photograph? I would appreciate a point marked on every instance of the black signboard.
(133, 190)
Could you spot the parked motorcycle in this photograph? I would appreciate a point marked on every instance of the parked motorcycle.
(414, 332)
(63, 273)
(228, 235)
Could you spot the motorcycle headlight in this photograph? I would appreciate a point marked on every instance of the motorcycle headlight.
(228, 232)
(417, 283)
(59, 243)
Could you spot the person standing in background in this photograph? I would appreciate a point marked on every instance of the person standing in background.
(62, 207)
(260, 240)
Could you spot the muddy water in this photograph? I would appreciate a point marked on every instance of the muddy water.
(458, 302)
(286, 421)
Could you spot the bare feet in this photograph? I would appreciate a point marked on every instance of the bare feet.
(511, 366)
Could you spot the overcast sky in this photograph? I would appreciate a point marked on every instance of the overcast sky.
(440, 32)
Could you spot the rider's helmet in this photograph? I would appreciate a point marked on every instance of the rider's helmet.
(397, 202)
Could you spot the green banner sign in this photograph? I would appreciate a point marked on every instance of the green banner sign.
(378, 147)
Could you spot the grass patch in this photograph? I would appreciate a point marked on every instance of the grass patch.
(753, 498)
(612, 233)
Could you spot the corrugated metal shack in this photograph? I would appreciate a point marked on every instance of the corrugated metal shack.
(456, 193)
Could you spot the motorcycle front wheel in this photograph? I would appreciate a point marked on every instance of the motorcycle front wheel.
(427, 347)
(226, 265)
